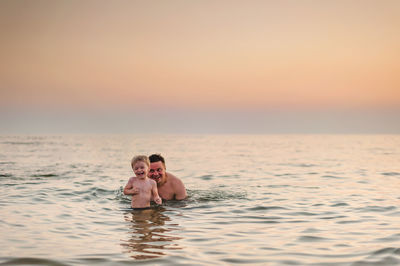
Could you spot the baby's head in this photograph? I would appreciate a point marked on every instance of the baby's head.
(140, 165)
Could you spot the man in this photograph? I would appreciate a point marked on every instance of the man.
(169, 186)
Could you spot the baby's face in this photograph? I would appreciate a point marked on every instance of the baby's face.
(141, 169)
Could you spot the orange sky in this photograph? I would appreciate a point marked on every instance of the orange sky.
(200, 54)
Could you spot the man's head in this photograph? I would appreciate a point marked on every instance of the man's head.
(157, 169)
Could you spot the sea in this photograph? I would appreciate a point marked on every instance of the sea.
(252, 200)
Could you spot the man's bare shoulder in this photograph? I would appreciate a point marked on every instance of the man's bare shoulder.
(174, 180)
(177, 187)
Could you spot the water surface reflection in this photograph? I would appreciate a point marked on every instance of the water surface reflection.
(150, 234)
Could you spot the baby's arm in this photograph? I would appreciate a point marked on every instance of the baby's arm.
(154, 191)
(130, 189)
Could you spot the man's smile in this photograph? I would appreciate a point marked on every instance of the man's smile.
(156, 178)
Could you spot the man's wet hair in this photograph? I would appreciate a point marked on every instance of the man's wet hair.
(156, 158)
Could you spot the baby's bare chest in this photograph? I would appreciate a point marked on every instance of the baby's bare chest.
(142, 186)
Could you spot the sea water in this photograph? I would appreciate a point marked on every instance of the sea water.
(252, 199)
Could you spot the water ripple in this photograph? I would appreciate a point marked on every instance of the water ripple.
(377, 209)
(391, 251)
(214, 195)
(392, 238)
(307, 238)
(391, 173)
(388, 260)
(33, 261)
(266, 208)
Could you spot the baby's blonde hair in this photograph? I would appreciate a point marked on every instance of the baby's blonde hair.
(140, 158)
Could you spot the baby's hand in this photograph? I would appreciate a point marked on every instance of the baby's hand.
(158, 200)
(135, 190)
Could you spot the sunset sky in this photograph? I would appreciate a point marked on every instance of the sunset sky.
(201, 66)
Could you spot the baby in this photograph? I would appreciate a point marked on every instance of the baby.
(140, 186)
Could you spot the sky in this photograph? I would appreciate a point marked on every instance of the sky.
(200, 66)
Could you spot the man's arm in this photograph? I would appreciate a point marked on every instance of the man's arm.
(180, 190)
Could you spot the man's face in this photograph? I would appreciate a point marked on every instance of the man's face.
(157, 171)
